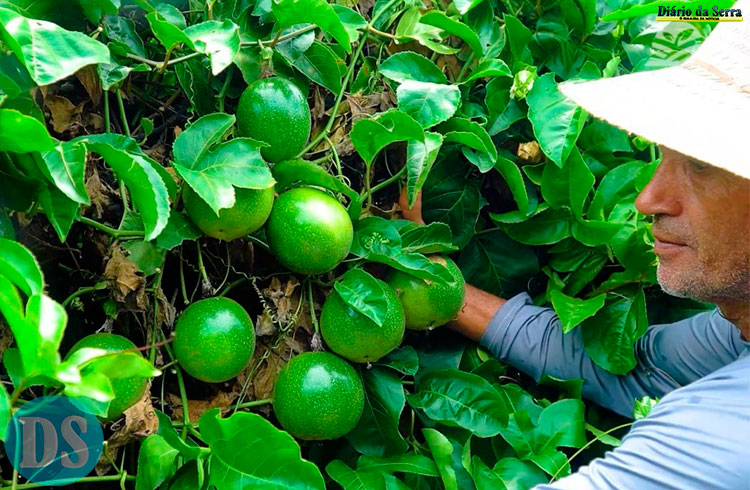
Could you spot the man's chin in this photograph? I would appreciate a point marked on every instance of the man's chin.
(673, 285)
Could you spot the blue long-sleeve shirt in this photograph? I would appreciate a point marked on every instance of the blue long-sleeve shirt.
(697, 436)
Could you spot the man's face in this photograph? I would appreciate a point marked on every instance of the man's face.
(702, 228)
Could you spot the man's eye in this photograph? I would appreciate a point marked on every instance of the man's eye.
(697, 166)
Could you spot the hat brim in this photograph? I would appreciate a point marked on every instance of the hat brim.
(688, 110)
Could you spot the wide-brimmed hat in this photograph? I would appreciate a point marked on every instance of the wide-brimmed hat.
(700, 108)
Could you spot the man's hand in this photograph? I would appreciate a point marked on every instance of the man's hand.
(415, 213)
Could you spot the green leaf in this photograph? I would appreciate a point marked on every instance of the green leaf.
(408, 65)
(609, 335)
(170, 435)
(428, 36)
(484, 477)
(363, 293)
(404, 360)
(572, 311)
(495, 263)
(234, 163)
(376, 433)
(351, 19)
(179, 228)
(457, 28)
(318, 12)
(471, 134)
(194, 76)
(568, 186)
(518, 37)
(122, 35)
(519, 474)
(442, 453)
(489, 68)
(433, 238)
(464, 6)
(48, 51)
(292, 172)
(39, 341)
(451, 196)
(546, 227)
(369, 136)
(23, 134)
(65, 166)
(20, 267)
(247, 450)
(96, 9)
(318, 63)
(6, 226)
(354, 480)
(420, 156)
(557, 120)
(60, 210)
(428, 103)
(156, 462)
(219, 40)
(490, 32)
(167, 32)
(405, 463)
(643, 407)
(4, 412)
(195, 141)
(513, 178)
(147, 187)
(459, 399)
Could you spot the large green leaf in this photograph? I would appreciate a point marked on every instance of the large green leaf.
(156, 462)
(408, 65)
(429, 36)
(350, 479)
(433, 238)
(22, 134)
(219, 40)
(568, 186)
(65, 166)
(459, 399)
(470, 134)
(546, 227)
(572, 311)
(247, 450)
(428, 103)
(489, 68)
(420, 156)
(404, 463)
(516, 473)
(146, 184)
(364, 293)
(512, 175)
(318, 12)
(61, 211)
(369, 136)
(376, 433)
(609, 335)
(318, 62)
(168, 29)
(96, 9)
(438, 19)
(195, 141)
(20, 267)
(557, 120)
(39, 339)
(442, 451)
(48, 51)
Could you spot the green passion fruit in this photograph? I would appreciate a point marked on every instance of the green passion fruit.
(426, 304)
(318, 396)
(214, 339)
(250, 211)
(274, 111)
(309, 231)
(356, 337)
(127, 391)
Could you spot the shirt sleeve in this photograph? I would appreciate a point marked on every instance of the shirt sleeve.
(694, 439)
(530, 338)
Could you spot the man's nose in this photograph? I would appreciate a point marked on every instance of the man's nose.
(661, 195)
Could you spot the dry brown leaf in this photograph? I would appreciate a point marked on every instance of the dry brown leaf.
(167, 310)
(63, 113)
(222, 400)
(342, 142)
(90, 81)
(157, 152)
(139, 421)
(319, 104)
(266, 376)
(450, 62)
(264, 324)
(363, 105)
(93, 122)
(530, 152)
(126, 281)
(96, 189)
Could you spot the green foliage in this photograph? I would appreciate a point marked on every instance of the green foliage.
(460, 103)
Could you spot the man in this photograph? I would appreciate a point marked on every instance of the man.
(698, 435)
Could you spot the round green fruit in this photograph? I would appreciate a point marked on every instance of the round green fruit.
(214, 339)
(275, 111)
(309, 231)
(127, 390)
(356, 337)
(318, 396)
(250, 211)
(426, 304)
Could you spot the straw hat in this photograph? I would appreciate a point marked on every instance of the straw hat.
(700, 108)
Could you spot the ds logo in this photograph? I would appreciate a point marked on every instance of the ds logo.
(53, 440)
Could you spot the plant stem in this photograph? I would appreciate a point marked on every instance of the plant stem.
(336, 160)
(157, 325)
(334, 112)
(107, 127)
(81, 291)
(487, 230)
(312, 308)
(109, 230)
(204, 275)
(259, 242)
(462, 72)
(88, 479)
(589, 444)
(388, 35)
(231, 286)
(225, 86)
(182, 280)
(255, 403)
(393, 178)
(121, 108)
